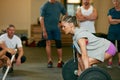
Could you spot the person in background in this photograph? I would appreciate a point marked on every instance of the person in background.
(88, 53)
(13, 42)
(87, 15)
(49, 20)
(114, 28)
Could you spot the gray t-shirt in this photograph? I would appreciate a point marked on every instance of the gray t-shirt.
(96, 46)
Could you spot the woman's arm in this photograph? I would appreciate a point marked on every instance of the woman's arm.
(113, 21)
(82, 44)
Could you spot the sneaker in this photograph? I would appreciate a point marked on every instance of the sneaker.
(5, 68)
(109, 65)
(60, 64)
(50, 64)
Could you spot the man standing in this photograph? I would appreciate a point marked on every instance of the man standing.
(13, 42)
(49, 19)
(87, 15)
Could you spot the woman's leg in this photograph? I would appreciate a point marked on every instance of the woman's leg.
(95, 61)
(110, 62)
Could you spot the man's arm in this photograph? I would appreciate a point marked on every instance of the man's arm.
(93, 16)
(42, 25)
(81, 17)
(20, 52)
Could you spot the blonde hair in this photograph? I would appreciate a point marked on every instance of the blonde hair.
(71, 19)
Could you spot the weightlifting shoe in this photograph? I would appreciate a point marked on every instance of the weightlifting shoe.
(60, 64)
(50, 64)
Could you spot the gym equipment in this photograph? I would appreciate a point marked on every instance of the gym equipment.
(93, 73)
(68, 70)
(6, 72)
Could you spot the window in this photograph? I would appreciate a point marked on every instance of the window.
(72, 6)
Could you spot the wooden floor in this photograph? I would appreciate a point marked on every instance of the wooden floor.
(35, 68)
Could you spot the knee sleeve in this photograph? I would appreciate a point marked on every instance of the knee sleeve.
(23, 59)
(118, 45)
(58, 43)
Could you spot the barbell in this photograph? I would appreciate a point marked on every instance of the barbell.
(93, 73)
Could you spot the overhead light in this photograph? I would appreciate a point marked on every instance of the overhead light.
(73, 1)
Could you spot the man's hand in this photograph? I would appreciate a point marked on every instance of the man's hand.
(11, 51)
(18, 61)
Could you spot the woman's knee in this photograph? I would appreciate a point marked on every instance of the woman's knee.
(93, 61)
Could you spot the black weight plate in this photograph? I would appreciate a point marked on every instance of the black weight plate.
(94, 73)
(68, 70)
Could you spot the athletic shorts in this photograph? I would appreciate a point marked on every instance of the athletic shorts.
(111, 50)
(54, 34)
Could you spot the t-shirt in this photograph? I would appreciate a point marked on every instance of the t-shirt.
(96, 46)
(13, 43)
(51, 13)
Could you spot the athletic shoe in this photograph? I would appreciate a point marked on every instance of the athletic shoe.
(50, 64)
(5, 68)
(60, 64)
(109, 65)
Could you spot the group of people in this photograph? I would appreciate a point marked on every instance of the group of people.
(90, 49)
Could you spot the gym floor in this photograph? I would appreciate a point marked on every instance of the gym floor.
(35, 68)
